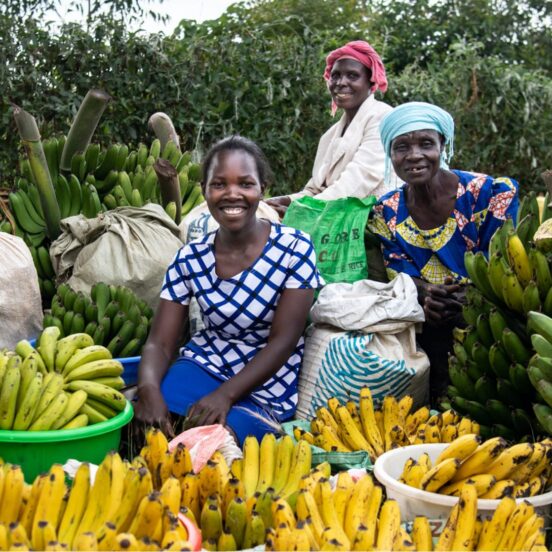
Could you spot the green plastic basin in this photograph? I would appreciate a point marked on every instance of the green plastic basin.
(36, 451)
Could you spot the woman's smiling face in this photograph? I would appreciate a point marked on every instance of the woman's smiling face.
(416, 155)
(233, 189)
(349, 84)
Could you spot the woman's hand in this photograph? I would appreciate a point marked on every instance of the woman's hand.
(211, 409)
(441, 302)
(279, 204)
(151, 410)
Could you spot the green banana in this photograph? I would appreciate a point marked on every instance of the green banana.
(22, 216)
(8, 393)
(47, 346)
(68, 346)
(541, 345)
(514, 347)
(519, 378)
(75, 191)
(28, 404)
(95, 369)
(522, 423)
(541, 271)
(512, 291)
(484, 330)
(102, 408)
(508, 394)
(108, 163)
(46, 419)
(543, 413)
(460, 379)
(497, 324)
(63, 195)
(480, 355)
(500, 363)
(531, 298)
(485, 389)
(499, 412)
(541, 324)
(100, 392)
(94, 416)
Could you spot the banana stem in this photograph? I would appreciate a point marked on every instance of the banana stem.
(169, 185)
(162, 126)
(84, 124)
(30, 137)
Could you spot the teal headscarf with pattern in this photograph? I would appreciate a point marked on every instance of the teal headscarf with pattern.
(413, 116)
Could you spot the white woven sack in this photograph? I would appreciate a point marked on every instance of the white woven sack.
(363, 334)
(20, 303)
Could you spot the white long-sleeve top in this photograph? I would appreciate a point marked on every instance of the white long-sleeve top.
(351, 165)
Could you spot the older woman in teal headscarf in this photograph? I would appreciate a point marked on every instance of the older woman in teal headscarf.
(427, 224)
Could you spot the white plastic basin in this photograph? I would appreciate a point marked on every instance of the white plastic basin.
(415, 502)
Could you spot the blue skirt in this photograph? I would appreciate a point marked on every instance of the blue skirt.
(187, 381)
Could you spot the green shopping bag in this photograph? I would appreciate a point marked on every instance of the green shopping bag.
(337, 231)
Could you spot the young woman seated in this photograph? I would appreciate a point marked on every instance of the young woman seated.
(438, 214)
(254, 282)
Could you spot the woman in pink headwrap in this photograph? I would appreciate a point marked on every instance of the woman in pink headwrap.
(350, 158)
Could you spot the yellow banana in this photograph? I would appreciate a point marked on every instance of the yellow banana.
(267, 462)
(405, 406)
(413, 474)
(533, 525)
(211, 521)
(108, 536)
(389, 525)
(501, 489)
(190, 494)
(421, 534)
(418, 417)
(43, 533)
(212, 480)
(391, 418)
(446, 538)
(510, 459)
(282, 513)
(439, 475)
(234, 487)
(522, 512)
(300, 466)
(403, 541)
(78, 499)
(47, 346)
(358, 505)
(449, 433)
(49, 501)
(251, 451)
(284, 454)
(533, 467)
(17, 534)
(181, 461)
(306, 509)
(467, 514)
(368, 421)
(226, 541)
(460, 448)
(170, 495)
(351, 434)
(480, 459)
(352, 408)
(125, 541)
(343, 491)
(482, 483)
(329, 514)
(148, 520)
(432, 434)
(12, 494)
(331, 442)
(27, 514)
(519, 259)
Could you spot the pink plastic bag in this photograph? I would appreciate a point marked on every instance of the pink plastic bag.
(202, 442)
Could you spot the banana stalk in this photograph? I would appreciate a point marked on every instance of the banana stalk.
(160, 123)
(169, 185)
(84, 124)
(30, 137)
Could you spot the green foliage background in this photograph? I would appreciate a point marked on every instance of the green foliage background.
(257, 70)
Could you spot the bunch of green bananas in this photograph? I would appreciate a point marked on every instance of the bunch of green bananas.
(489, 366)
(62, 384)
(113, 316)
(488, 371)
(540, 366)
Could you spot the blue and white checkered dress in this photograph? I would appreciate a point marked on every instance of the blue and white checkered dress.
(238, 311)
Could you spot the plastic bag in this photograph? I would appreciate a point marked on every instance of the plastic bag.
(203, 441)
(20, 303)
(127, 246)
(336, 228)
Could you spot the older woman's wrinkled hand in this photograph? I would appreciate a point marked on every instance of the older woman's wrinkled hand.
(442, 303)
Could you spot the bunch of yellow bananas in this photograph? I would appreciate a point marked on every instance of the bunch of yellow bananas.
(495, 470)
(232, 505)
(353, 516)
(350, 427)
(511, 527)
(62, 384)
(120, 511)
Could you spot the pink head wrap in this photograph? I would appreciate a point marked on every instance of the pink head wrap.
(362, 52)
